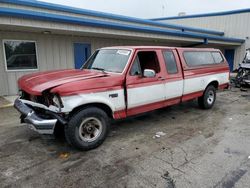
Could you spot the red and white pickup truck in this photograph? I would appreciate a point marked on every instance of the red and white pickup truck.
(117, 82)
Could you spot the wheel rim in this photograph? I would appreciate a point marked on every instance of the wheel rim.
(210, 98)
(90, 129)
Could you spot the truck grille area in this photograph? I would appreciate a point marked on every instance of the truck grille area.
(38, 99)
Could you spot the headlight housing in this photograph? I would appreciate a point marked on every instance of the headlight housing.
(56, 101)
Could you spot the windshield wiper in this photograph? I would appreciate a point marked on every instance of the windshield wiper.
(97, 68)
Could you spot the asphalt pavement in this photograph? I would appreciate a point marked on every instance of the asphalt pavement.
(194, 148)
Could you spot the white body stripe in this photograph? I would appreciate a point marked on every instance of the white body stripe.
(192, 85)
(174, 89)
(115, 103)
(144, 95)
(155, 93)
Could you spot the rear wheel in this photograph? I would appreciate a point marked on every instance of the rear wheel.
(206, 101)
(87, 129)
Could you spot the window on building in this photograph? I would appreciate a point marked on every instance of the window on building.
(20, 55)
(170, 62)
(198, 58)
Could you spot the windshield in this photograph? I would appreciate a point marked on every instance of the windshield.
(110, 60)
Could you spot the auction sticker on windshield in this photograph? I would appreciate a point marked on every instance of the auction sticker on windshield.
(123, 52)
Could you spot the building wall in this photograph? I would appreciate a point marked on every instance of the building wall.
(79, 15)
(235, 25)
(53, 52)
(49, 25)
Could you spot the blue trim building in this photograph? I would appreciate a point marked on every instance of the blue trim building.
(224, 13)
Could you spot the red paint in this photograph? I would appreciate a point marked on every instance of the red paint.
(91, 86)
(153, 106)
(145, 108)
(198, 72)
(121, 114)
(161, 104)
(224, 86)
(191, 96)
(69, 82)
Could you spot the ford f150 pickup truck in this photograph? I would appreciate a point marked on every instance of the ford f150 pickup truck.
(115, 83)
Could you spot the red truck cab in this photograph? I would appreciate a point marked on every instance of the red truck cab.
(117, 82)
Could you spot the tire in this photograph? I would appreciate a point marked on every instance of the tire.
(207, 100)
(87, 129)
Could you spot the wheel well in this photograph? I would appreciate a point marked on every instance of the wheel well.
(214, 83)
(102, 106)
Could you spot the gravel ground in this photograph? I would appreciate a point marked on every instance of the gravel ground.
(201, 148)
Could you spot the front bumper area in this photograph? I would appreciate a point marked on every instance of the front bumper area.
(38, 124)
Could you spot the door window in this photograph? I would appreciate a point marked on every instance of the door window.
(136, 68)
(145, 60)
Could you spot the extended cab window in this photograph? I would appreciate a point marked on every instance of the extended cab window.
(170, 62)
(197, 58)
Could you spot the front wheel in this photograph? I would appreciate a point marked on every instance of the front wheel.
(206, 101)
(88, 128)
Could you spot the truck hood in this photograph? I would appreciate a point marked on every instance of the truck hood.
(36, 83)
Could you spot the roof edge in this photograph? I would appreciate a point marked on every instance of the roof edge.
(51, 6)
(27, 14)
(223, 13)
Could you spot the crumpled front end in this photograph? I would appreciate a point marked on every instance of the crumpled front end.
(43, 103)
(243, 75)
(29, 116)
(38, 113)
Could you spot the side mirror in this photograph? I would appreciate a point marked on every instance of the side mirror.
(149, 73)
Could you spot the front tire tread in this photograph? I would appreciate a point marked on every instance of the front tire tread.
(71, 129)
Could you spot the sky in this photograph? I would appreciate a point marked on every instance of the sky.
(155, 8)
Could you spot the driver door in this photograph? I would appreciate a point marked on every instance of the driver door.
(145, 93)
